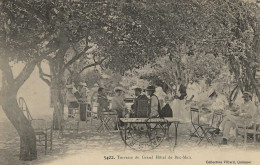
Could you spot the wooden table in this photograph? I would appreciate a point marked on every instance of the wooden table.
(163, 122)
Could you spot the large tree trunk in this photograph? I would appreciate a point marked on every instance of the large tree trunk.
(13, 112)
(57, 96)
(58, 104)
(22, 125)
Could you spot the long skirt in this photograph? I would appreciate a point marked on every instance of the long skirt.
(178, 110)
(83, 112)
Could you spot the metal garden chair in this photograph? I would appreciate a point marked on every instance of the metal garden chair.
(108, 121)
(201, 130)
(42, 129)
(71, 123)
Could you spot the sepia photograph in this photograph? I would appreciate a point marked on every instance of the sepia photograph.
(129, 82)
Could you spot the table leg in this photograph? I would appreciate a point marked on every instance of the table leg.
(125, 134)
(176, 133)
(167, 131)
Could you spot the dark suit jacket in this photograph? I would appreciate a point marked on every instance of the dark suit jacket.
(135, 105)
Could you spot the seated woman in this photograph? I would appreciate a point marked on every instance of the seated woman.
(246, 115)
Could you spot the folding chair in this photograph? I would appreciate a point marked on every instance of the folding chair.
(91, 114)
(71, 122)
(72, 112)
(250, 131)
(213, 129)
(108, 121)
(208, 130)
(195, 121)
(217, 118)
(255, 131)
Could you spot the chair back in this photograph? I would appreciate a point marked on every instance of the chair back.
(216, 119)
(195, 116)
(39, 125)
(23, 106)
(143, 107)
(107, 113)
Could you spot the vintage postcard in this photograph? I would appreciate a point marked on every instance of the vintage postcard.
(129, 82)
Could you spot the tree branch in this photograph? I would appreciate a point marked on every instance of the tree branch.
(6, 70)
(9, 13)
(36, 41)
(41, 74)
(76, 57)
(45, 54)
(93, 64)
(25, 73)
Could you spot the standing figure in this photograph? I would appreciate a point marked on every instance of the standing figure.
(154, 102)
(102, 101)
(82, 100)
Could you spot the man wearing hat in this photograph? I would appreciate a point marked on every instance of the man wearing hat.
(82, 100)
(154, 101)
(139, 96)
(246, 115)
(118, 103)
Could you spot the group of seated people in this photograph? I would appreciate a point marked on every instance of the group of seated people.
(119, 105)
(234, 116)
(76, 97)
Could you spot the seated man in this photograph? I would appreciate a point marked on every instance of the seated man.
(118, 103)
(138, 94)
(246, 115)
(154, 102)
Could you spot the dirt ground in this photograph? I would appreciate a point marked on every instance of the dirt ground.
(89, 144)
